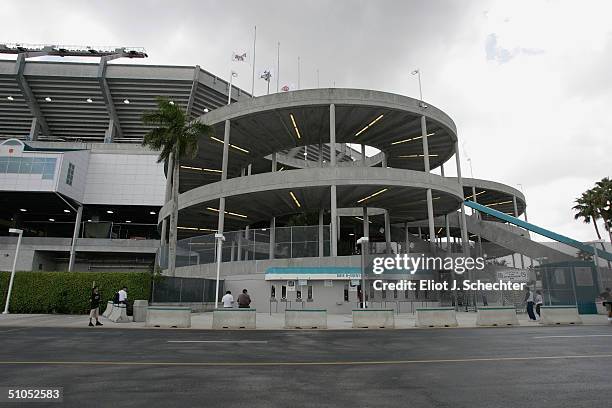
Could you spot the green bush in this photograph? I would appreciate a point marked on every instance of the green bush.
(68, 292)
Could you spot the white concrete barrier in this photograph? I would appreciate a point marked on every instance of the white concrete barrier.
(436, 317)
(373, 319)
(234, 318)
(306, 319)
(167, 316)
(554, 315)
(119, 314)
(140, 310)
(601, 309)
(109, 309)
(496, 316)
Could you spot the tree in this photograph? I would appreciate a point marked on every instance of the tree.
(603, 202)
(176, 138)
(586, 210)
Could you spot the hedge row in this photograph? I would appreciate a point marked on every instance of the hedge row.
(68, 292)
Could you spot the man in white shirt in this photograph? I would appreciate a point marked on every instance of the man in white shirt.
(228, 300)
(123, 295)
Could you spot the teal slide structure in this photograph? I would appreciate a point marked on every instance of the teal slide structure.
(538, 230)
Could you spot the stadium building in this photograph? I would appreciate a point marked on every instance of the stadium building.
(274, 202)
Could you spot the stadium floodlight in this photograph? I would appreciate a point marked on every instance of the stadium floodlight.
(10, 98)
(48, 99)
(37, 50)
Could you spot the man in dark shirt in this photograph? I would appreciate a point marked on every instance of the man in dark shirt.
(244, 300)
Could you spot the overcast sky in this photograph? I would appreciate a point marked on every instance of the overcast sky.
(528, 83)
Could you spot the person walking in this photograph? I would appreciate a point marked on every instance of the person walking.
(94, 307)
(244, 300)
(539, 301)
(529, 301)
(228, 300)
(606, 297)
(123, 295)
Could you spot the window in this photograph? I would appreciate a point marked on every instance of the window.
(70, 174)
(273, 292)
(44, 166)
(284, 292)
(346, 292)
(309, 293)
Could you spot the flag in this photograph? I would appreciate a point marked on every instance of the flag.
(288, 87)
(266, 74)
(239, 56)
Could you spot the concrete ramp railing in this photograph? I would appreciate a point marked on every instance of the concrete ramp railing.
(306, 319)
(119, 314)
(234, 319)
(557, 315)
(109, 309)
(170, 317)
(436, 317)
(496, 316)
(373, 319)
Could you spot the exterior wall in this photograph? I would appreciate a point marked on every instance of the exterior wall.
(80, 161)
(27, 182)
(124, 179)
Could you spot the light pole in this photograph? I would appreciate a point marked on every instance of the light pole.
(233, 74)
(364, 242)
(418, 73)
(10, 288)
(220, 238)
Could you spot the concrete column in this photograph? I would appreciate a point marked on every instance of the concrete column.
(334, 223)
(34, 129)
(384, 160)
(321, 235)
(388, 232)
(420, 233)
(363, 155)
(239, 257)
(366, 223)
(464, 234)
(320, 161)
(249, 168)
(233, 251)
(242, 172)
(478, 216)
(75, 236)
(274, 162)
(430, 213)
(173, 232)
(407, 238)
(221, 219)
(272, 237)
(516, 214)
(167, 195)
(332, 135)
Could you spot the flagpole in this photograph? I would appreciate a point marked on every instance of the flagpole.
(277, 66)
(253, 78)
(318, 78)
(298, 74)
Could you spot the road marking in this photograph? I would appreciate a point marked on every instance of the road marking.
(301, 363)
(581, 335)
(220, 341)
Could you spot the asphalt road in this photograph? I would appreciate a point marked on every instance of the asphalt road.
(498, 367)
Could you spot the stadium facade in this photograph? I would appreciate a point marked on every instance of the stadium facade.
(278, 187)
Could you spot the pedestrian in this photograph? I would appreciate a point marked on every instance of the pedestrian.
(228, 300)
(244, 300)
(606, 296)
(529, 301)
(539, 300)
(123, 295)
(94, 306)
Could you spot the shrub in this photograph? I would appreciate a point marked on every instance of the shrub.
(68, 292)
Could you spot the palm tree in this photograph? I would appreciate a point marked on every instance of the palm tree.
(586, 209)
(176, 138)
(603, 202)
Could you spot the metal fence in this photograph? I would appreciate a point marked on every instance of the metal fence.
(184, 290)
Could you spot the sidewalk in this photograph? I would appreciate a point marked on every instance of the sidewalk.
(265, 321)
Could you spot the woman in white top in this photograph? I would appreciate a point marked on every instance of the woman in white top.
(539, 300)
